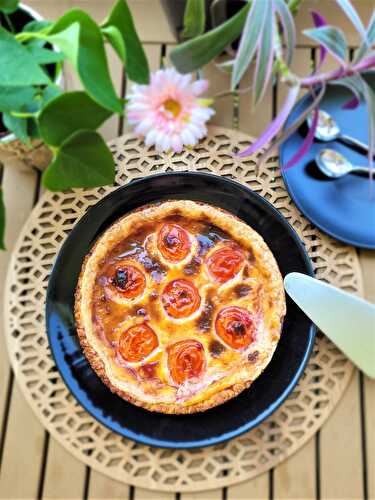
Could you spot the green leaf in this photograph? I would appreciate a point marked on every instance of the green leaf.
(195, 53)
(2, 221)
(18, 126)
(83, 160)
(249, 41)
(8, 6)
(114, 37)
(289, 30)
(333, 39)
(194, 18)
(18, 68)
(87, 54)
(136, 64)
(265, 56)
(45, 56)
(353, 16)
(68, 41)
(35, 26)
(364, 48)
(67, 113)
(15, 98)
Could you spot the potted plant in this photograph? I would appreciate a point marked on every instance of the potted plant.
(267, 40)
(17, 17)
(35, 108)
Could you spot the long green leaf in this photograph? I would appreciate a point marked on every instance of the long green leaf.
(2, 221)
(89, 57)
(114, 37)
(265, 56)
(68, 113)
(83, 160)
(249, 41)
(333, 39)
(364, 48)
(289, 30)
(18, 69)
(194, 18)
(8, 6)
(354, 18)
(136, 63)
(194, 54)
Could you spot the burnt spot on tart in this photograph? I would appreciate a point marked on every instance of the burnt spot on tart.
(216, 348)
(193, 267)
(241, 290)
(204, 321)
(208, 236)
(253, 357)
(251, 256)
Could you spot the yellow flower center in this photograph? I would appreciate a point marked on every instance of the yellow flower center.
(173, 107)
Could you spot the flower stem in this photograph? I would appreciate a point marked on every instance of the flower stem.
(339, 73)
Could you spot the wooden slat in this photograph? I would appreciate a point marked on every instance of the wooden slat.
(219, 82)
(301, 465)
(64, 474)
(340, 448)
(55, 484)
(149, 17)
(257, 488)
(334, 16)
(340, 436)
(23, 442)
(18, 208)
(295, 477)
(203, 495)
(23, 451)
(254, 120)
(367, 260)
(102, 487)
(369, 400)
(142, 494)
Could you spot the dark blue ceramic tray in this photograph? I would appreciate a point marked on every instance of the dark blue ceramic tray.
(215, 425)
(342, 208)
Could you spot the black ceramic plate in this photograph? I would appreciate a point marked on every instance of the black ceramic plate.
(223, 422)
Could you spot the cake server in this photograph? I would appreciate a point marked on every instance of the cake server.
(346, 319)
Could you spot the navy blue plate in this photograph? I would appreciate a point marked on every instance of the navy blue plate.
(342, 208)
(220, 423)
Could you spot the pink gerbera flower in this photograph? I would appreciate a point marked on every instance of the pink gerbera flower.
(168, 112)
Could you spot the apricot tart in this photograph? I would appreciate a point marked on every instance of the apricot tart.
(179, 306)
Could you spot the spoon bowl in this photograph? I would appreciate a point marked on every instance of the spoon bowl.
(327, 129)
(335, 165)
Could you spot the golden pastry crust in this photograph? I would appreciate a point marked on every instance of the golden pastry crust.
(248, 364)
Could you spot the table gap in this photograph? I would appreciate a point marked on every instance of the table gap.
(43, 466)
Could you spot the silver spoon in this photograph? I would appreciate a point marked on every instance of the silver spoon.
(333, 164)
(329, 130)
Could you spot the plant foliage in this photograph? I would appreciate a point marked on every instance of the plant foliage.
(33, 106)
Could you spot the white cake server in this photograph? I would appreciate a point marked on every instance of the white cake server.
(346, 319)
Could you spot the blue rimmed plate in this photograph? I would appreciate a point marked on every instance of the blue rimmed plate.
(343, 208)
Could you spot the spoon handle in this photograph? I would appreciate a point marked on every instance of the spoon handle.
(363, 170)
(354, 142)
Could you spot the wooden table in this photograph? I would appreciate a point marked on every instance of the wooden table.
(338, 463)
